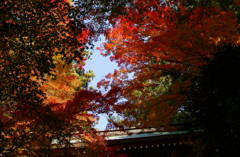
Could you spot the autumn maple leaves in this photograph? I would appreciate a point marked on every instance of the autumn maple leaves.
(44, 89)
(157, 42)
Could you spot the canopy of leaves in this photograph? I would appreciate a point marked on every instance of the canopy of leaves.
(32, 33)
(95, 15)
(43, 88)
(156, 41)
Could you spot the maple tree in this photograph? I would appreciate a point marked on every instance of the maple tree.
(43, 94)
(43, 86)
(32, 33)
(164, 45)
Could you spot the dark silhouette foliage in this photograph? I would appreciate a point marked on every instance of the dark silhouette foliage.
(214, 103)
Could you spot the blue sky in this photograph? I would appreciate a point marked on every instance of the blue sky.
(101, 66)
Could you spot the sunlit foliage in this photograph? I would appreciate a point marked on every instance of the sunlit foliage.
(43, 86)
(158, 41)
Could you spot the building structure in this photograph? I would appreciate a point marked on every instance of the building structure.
(148, 142)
